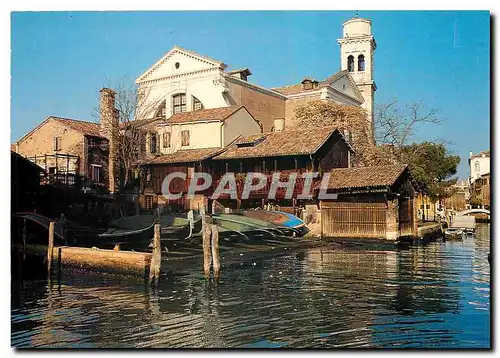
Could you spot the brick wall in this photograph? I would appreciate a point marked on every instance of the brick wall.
(264, 107)
(41, 142)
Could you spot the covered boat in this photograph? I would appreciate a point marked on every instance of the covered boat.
(280, 218)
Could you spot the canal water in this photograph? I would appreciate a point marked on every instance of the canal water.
(430, 296)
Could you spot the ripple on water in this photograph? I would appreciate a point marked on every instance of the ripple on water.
(435, 295)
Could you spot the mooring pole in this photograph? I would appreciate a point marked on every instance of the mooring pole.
(24, 234)
(154, 270)
(50, 248)
(215, 250)
(206, 223)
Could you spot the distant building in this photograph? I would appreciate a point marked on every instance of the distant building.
(479, 179)
(481, 191)
(69, 149)
(479, 164)
(459, 198)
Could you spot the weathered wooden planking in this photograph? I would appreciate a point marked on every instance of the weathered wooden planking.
(125, 262)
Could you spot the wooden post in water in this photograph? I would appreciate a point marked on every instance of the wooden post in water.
(24, 234)
(215, 250)
(50, 248)
(154, 270)
(206, 223)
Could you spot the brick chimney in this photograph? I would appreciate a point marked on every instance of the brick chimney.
(109, 126)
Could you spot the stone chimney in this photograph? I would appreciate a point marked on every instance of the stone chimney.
(109, 127)
(279, 125)
(242, 73)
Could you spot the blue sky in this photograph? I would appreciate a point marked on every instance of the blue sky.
(61, 59)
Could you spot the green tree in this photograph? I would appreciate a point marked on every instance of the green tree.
(432, 165)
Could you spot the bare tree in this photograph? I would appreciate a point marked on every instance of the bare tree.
(136, 110)
(395, 126)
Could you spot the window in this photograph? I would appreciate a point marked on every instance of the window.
(350, 63)
(95, 173)
(152, 143)
(161, 111)
(476, 166)
(361, 63)
(57, 144)
(185, 138)
(149, 202)
(428, 206)
(197, 104)
(166, 139)
(179, 103)
(142, 139)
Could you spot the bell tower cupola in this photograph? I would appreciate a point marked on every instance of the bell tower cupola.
(357, 47)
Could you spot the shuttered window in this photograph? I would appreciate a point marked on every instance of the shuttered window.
(185, 138)
(166, 139)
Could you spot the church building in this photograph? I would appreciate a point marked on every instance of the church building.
(185, 81)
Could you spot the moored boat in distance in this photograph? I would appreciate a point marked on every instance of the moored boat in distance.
(453, 233)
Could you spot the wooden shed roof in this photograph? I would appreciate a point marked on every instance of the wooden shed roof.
(183, 156)
(365, 177)
(276, 144)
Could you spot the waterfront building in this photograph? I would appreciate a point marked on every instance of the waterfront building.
(481, 191)
(371, 202)
(479, 164)
(67, 149)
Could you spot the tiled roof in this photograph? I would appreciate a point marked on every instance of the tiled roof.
(480, 154)
(365, 177)
(183, 156)
(217, 114)
(86, 128)
(290, 142)
(299, 88)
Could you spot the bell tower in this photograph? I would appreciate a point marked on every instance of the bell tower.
(357, 47)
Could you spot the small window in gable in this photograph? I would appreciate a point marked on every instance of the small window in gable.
(179, 103)
(197, 105)
(166, 139)
(57, 144)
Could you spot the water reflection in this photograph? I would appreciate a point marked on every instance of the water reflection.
(427, 296)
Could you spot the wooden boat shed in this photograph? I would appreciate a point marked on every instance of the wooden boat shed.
(371, 202)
